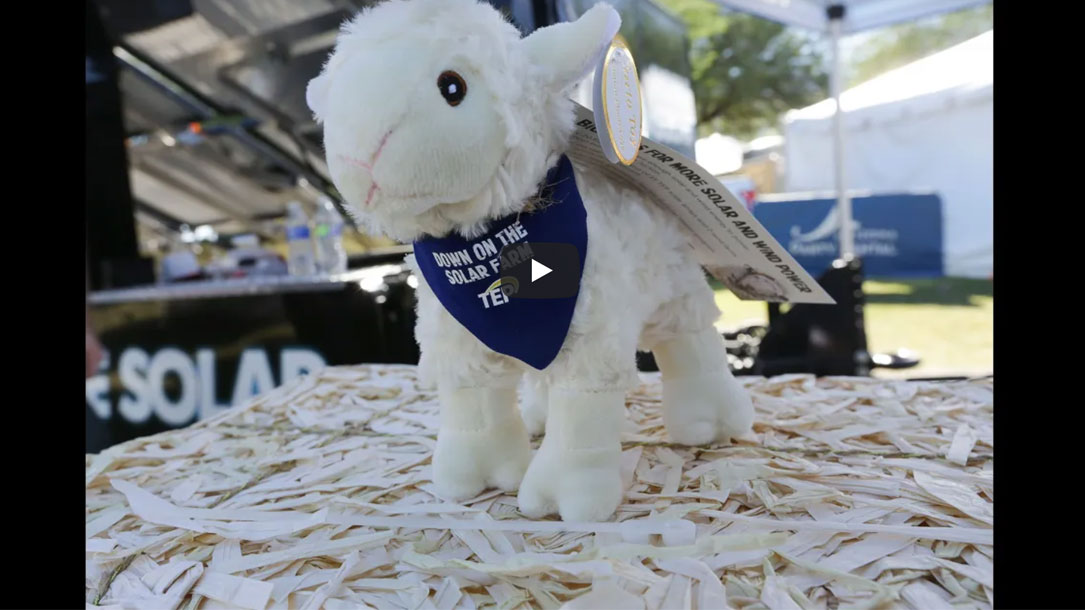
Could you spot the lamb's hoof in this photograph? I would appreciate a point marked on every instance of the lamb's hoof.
(580, 485)
(465, 463)
(706, 409)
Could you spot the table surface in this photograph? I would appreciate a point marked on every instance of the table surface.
(318, 494)
(247, 286)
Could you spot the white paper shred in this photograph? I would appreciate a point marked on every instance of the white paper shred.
(605, 594)
(849, 492)
(234, 590)
(963, 442)
(774, 591)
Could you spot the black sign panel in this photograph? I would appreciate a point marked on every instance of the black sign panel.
(170, 362)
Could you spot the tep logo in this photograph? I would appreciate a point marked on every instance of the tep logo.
(540, 270)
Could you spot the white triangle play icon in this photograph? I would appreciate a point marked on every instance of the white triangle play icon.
(538, 270)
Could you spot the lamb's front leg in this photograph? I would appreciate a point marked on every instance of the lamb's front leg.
(482, 441)
(577, 469)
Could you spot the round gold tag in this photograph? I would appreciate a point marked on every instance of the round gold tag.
(617, 104)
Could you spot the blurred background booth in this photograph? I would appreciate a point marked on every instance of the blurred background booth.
(210, 153)
(222, 262)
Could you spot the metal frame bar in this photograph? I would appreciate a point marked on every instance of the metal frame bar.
(166, 220)
(147, 69)
(843, 201)
(208, 197)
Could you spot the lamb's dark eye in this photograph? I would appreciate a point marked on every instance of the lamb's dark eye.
(452, 87)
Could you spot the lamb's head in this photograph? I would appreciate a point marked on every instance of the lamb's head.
(438, 117)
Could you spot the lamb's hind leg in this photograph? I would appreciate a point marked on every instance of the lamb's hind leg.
(534, 402)
(702, 400)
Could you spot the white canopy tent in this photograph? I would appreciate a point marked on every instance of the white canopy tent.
(836, 18)
(926, 125)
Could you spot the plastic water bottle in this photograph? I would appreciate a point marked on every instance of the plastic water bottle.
(328, 226)
(300, 260)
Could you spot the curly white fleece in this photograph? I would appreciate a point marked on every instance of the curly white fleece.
(447, 168)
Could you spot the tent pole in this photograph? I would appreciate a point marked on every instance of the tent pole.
(843, 202)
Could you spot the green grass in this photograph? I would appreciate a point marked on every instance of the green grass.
(948, 322)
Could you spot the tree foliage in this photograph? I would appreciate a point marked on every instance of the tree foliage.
(904, 43)
(747, 71)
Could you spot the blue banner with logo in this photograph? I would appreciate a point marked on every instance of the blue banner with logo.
(896, 235)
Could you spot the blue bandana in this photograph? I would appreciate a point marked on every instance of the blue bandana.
(466, 275)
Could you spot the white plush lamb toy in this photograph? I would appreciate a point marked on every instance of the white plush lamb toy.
(443, 127)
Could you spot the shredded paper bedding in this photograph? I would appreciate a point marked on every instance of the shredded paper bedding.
(849, 492)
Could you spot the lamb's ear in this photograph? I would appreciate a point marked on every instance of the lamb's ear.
(567, 52)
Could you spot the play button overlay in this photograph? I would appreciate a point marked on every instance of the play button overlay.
(540, 270)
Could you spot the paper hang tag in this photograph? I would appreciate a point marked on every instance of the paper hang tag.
(617, 102)
(726, 238)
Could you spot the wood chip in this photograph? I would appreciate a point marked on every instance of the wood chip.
(851, 492)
